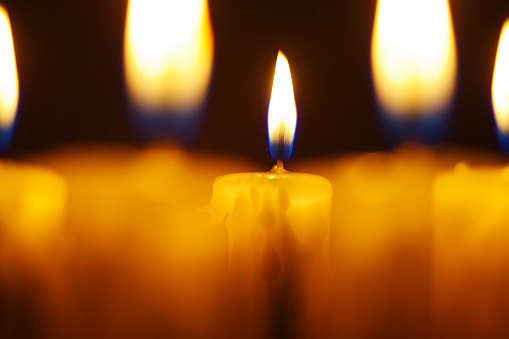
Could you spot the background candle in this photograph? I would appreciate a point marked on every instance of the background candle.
(381, 229)
(33, 247)
(470, 252)
(143, 259)
(380, 241)
(470, 233)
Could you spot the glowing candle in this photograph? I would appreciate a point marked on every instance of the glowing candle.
(140, 250)
(381, 249)
(471, 237)
(33, 201)
(32, 198)
(278, 224)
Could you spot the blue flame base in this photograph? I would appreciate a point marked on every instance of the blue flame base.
(5, 138)
(176, 126)
(503, 141)
(428, 127)
(287, 151)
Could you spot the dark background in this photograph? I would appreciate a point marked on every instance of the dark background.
(69, 56)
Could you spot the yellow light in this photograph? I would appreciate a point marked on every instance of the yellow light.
(500, 85)
(282, 116)
(9, 86)
(413, 56)
(168, 53)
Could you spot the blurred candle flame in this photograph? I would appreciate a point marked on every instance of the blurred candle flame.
(500, 85)
(413, 56)
(282, 116)
(9, 86)
(168, 54)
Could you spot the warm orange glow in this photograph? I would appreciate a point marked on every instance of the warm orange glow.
(282, 116)
(413, 56)
(9, 87)
(500, 86)
(168, 53)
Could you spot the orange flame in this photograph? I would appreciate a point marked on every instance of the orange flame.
(500, 85)
(413, 56)
(168, 53)
(9, 86)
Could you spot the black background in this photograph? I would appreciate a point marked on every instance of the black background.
(69, 56)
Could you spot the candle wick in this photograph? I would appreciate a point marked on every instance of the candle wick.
(279, 165)
(281, 145)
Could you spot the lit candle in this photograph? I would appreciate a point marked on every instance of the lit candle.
(471, 237)
(141, 251)
(33, 201)
(278, 224)
(381, 248)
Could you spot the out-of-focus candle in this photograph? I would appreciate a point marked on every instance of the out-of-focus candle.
(141, 250)
(380, 241)
(381, 231)
(471, 238)
(471, 252)
(142, 261)
(278, 224)
(33, 202)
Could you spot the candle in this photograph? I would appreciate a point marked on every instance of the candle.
(381, 249)
(143, 260)
(380, 240)
(278, 225)
(33, 202)
(140, 249)
(470, 218)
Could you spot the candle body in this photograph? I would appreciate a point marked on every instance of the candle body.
(381, 241)
(278, 224)
(144, 261)
(33, 202)
(471, 252)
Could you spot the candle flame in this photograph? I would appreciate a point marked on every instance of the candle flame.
(413, 56)
(168, 54)
(500, 85)
(282, 116)
(9, 86)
